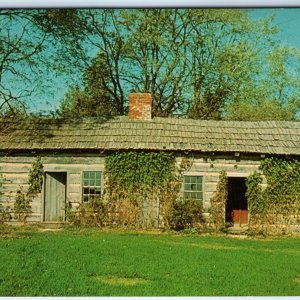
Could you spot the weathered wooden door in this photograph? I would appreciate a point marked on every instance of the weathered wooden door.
(237, 206)
(55, 196)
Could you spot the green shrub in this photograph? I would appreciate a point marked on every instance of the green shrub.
(185, 214)
(5, 215)
(22, 207)
(92, 213)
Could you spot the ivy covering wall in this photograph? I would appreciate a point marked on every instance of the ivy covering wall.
(218, 202)
(22, 204)
(136, 184)
(139, 171)
(275, 208)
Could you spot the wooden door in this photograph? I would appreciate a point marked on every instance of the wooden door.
(240, 216)
(55, 196)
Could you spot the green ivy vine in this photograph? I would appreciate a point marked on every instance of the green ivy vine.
(256, 202)
(278, 204)
(146, 186)
(139, 171)
(218, 202)
(22, 205)
(4, 210)
(35, 178)
(138, 185)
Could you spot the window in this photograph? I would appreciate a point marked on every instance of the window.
(91, 185)
(193, 188)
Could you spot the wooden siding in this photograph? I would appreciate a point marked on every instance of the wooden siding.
(210, 167)
(15, 170)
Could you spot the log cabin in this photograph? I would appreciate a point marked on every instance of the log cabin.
(73, 154)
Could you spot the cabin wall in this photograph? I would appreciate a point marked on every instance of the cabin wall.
(15, 170)
(210, 167)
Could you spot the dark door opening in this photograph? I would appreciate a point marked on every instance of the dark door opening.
(237, 206)
(55, 196)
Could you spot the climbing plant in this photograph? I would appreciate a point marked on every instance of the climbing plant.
(4, 210)
(137, 184)
(2, 179)
(22, 205)
(256, 202)
(35, 178)
(143, 189)
(276, 208)
(218, 202)
(139, 170)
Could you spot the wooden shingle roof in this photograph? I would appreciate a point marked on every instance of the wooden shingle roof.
(268, 137)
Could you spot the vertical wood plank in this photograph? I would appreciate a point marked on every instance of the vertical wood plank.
(55, 196)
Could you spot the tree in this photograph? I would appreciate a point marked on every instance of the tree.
(93, 100)
(222, 50)
(21, 46)
(156, 50)
(67, 35)
(273, 95)
(204, 63)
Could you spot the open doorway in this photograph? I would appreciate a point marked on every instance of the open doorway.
(237, 206)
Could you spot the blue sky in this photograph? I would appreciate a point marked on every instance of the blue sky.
(287, 19)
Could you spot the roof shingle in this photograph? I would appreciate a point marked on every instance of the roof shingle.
(269, 137)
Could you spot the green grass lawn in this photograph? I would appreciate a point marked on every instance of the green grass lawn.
(113, 263)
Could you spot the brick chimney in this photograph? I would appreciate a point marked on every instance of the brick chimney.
(140, 106)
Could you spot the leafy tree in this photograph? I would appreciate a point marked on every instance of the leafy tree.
(155, 56)
(273, 95)
(204, 63)
(21, 46)
(31, 55)
(66, 30)
(223, 46)
(93, 100)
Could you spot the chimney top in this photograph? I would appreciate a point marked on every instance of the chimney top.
(140, 106)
